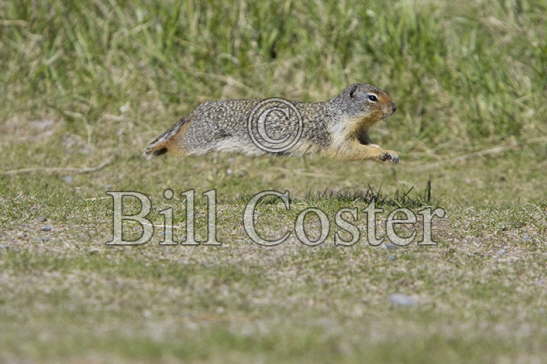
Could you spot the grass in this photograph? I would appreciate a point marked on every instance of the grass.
(82, 82)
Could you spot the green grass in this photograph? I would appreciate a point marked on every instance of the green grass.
(84, 81)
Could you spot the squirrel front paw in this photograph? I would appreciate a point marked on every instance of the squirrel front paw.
(389, 156)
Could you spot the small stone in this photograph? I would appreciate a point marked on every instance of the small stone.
(390, 246)
(391, 257)
(68, 179)
(124, 108)
(42, 219)
(44, 124)
(46, 228)
(502, 251)
(400, 299)
(93, 251)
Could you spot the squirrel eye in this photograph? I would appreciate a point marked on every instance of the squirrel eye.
(372, 97)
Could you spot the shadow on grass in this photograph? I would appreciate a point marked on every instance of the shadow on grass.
(400, 198)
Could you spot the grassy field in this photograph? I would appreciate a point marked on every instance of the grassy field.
(87, 84)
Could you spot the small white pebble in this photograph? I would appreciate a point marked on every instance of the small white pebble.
(400, 299)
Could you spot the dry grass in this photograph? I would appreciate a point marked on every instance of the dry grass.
(94, 81)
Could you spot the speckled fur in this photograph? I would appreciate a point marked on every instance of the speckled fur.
(337, 127)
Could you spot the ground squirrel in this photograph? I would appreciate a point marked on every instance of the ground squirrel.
(337, 127)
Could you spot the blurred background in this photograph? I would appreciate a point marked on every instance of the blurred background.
(117, 73)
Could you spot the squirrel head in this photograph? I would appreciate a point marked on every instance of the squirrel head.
(366, 102)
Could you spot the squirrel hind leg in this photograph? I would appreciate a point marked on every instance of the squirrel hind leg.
(167, 141)
(156, 152)
(155, 149)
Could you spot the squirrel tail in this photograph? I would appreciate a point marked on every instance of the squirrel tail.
(165, 141)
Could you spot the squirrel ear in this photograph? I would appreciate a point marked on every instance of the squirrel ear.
(353, 90)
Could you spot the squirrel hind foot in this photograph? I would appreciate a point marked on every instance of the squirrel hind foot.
(156, 148)
(155, 153)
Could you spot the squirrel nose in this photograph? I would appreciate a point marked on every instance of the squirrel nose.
(393, 108)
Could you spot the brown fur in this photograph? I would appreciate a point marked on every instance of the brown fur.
(169, 141)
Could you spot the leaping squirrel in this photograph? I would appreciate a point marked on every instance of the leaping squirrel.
(337, 127)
